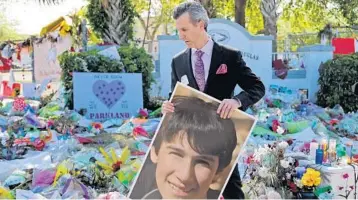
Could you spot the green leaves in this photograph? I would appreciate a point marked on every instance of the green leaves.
(136, 60)
(133, 60)
(336, 79)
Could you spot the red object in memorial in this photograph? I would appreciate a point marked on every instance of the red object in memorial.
(8, 91)
(5, 64)
(343, 45)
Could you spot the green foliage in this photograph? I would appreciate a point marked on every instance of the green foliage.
(136, 60)
(349, 10)
(336, 79)
(133, 60)
(7, 30)
(97, 17)
(254, 18)
(224, 8)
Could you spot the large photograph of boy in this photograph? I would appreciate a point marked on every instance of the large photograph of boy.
(194, 150)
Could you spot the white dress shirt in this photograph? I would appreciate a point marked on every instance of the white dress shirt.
(208, 50)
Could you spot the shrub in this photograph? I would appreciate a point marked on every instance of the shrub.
(336, 79)
(133, 60)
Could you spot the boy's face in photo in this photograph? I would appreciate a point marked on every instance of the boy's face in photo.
(181, 172)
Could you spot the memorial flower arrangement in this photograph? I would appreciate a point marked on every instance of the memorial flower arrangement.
(269, 172)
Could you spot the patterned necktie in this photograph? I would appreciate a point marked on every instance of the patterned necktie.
(199, 70)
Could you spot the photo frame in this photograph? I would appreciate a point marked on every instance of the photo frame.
(160, 176)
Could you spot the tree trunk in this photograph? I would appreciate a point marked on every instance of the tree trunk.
(119, 23)
(209, 6)
(147, 27)
(269, 12)
(166, 29)
(240, 7)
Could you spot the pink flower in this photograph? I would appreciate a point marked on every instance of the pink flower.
(249, 159)
(50, 123)
(345, 176)
(352, 187)
(143, 112)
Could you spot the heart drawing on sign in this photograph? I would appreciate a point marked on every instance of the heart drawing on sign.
(108, 93)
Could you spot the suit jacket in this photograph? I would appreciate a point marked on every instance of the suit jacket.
(221, 86)
(355, 88)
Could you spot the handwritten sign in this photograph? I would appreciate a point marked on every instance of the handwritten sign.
(45, 57)
(106, 96)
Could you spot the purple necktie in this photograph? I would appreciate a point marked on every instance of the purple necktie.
(199, 70)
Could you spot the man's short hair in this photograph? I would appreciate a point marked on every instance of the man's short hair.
(206, 131)
(196, 12)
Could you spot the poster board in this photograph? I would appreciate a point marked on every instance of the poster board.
(107, 96)
(46, 64)
(182, 167)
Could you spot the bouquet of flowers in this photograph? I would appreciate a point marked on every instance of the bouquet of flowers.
(268, 171)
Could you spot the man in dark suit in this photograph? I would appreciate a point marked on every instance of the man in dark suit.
(213, 69)
(355, 88)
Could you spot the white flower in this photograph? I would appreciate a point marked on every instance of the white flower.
(290, 160)
(298, 182)
(288, 175)
(284, 163)
(282, 145)
(280, 130)
(263, 172)
(259, 153)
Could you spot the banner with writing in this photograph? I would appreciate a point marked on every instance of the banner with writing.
(105, 96)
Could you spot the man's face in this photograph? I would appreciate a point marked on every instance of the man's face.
(189, 32)
(181, 172)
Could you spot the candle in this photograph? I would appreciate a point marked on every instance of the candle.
(324, 144)
(319, 156)
(332, 156)
(332, 144)
(313, 148)
(349, 145)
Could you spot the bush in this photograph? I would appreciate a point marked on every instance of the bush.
(136, 60)
(336, 79)
(133, 60)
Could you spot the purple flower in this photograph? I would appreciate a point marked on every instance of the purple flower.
(345, 176)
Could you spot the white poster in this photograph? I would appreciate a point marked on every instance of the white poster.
(46, 62)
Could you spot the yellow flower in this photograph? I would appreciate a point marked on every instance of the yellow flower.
(311, 178)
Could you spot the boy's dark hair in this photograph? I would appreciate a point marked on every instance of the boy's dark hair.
(207, 132)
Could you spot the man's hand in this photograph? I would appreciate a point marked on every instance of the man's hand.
(167, 107)
(227, 107)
